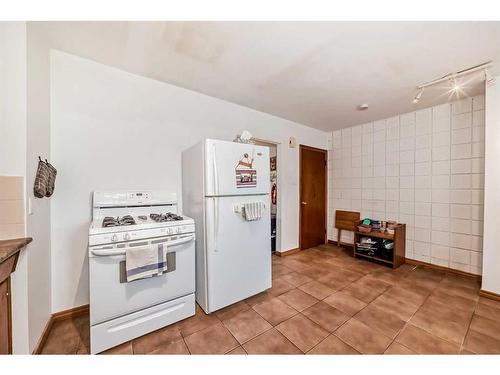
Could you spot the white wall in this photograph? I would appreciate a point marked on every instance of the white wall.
(425, 169)
(491, 258)
(38, 144)
(24, 134)
(115, 130)
(12, 98)
(13, 156)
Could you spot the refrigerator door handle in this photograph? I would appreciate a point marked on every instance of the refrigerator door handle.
(216, 192)
(216, 222)
(216, 174)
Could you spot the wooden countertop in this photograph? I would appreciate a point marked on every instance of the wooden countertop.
(11, 247)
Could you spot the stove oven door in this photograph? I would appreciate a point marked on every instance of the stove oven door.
(111, 296)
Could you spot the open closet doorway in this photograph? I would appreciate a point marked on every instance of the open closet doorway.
(274, 193)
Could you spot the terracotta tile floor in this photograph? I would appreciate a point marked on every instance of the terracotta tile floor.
(325, 302)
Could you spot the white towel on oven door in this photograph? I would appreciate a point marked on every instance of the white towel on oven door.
(145, 261)
(162, 258)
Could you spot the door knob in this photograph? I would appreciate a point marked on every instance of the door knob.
(303, 202)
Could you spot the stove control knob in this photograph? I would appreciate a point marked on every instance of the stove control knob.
(170, 231)
(179, 230)
(114, 238)
(126, 237)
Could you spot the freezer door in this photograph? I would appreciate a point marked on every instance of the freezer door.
(235, 168)
(238, 251)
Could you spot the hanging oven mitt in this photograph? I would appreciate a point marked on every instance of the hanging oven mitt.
(41, 179)
(52, 179)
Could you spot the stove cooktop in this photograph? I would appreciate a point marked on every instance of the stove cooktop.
(144, 227)
(112, 224)
(119, 221)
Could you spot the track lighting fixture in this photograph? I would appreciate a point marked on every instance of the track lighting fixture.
(457, 86)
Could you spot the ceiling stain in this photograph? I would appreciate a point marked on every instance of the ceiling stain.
(201, 41)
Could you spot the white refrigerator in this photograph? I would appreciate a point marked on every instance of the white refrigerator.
(233, 255)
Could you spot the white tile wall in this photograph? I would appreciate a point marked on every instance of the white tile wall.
(12, 221)
(425, 169)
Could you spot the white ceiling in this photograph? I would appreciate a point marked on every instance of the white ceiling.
(314, 73)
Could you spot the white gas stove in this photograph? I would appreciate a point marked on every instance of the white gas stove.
(147, 214)
(120, 310)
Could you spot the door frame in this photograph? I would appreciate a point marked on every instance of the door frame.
(279, 160)
(325, 152)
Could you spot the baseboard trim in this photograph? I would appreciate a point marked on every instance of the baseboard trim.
(288, 252)
(43, 338)
(443, 269)
(71, 313)
(57, 317)
(489, 295)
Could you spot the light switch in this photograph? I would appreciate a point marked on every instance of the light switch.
(30, 206)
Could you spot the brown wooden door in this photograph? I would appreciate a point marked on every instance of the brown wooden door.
(312, 197)
(5, 343)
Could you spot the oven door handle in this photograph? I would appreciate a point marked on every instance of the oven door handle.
(111, 252)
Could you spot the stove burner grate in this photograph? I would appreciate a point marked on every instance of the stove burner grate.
(169, 216)
(109, 221)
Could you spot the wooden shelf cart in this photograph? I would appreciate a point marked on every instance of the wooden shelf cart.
(399, 238)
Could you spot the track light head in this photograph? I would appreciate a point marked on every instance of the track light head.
(418, 96)
(455, 86)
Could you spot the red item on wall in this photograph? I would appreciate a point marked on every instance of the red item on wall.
(274, 192)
